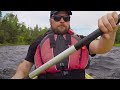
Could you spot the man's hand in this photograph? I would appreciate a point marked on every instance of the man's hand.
(107, 24)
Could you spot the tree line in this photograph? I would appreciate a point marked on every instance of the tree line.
(14, 32)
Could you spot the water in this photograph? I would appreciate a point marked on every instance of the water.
(10, 58)
(105, 66)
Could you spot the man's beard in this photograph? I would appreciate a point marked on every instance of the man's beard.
(57, 31)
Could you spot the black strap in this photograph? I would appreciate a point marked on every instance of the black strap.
(60, 46)
(52, 40)
(68, 39)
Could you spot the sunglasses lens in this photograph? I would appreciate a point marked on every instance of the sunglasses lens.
(66, 18)
(58, 18)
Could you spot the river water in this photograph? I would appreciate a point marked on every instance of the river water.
(105, 66)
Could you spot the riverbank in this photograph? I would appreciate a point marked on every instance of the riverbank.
(10, 44)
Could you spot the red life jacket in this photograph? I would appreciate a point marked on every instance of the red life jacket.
(53, 44)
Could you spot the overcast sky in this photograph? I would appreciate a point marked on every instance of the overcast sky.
(84, 22)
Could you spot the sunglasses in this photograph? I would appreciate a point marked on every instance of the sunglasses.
(58, 18)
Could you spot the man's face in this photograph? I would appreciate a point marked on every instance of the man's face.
(58, 24)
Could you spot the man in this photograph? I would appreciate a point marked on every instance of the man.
(60, 24)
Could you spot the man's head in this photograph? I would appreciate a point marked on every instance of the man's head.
(60, 21)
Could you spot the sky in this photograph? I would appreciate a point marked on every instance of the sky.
(82, 22)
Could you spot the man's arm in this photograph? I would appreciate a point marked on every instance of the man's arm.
(107, 25)
(23, 70)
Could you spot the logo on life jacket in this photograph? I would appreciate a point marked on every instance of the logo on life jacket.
(52, 45)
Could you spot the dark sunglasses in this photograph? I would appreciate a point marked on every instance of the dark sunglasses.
(58, 18)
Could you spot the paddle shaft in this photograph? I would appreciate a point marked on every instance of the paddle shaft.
(67, 52)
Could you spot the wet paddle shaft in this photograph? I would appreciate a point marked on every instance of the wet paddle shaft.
(67, 52)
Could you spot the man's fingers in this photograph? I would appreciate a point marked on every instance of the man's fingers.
(102, 27)
(107, 36)
(115, 16)
(106, 23)
(111, 20)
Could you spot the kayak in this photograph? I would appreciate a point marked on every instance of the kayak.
(87, 76)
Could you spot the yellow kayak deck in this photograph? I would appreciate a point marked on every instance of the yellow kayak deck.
(87, 76)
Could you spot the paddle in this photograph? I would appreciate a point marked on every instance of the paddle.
(67, 52)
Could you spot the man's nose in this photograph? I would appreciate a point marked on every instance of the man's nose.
(62, 20)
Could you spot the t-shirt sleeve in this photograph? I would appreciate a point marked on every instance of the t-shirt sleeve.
(32, 50)
(92, 55)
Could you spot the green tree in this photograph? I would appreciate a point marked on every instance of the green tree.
(11, 31)
(117, 39)
(43, 31)
(36, 32)
(10, 27)
(1, 36)
(0, 18)
(3, 30)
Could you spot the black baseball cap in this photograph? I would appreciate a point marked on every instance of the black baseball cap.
(55, 12)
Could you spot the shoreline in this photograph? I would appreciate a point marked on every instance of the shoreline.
(9, 44)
